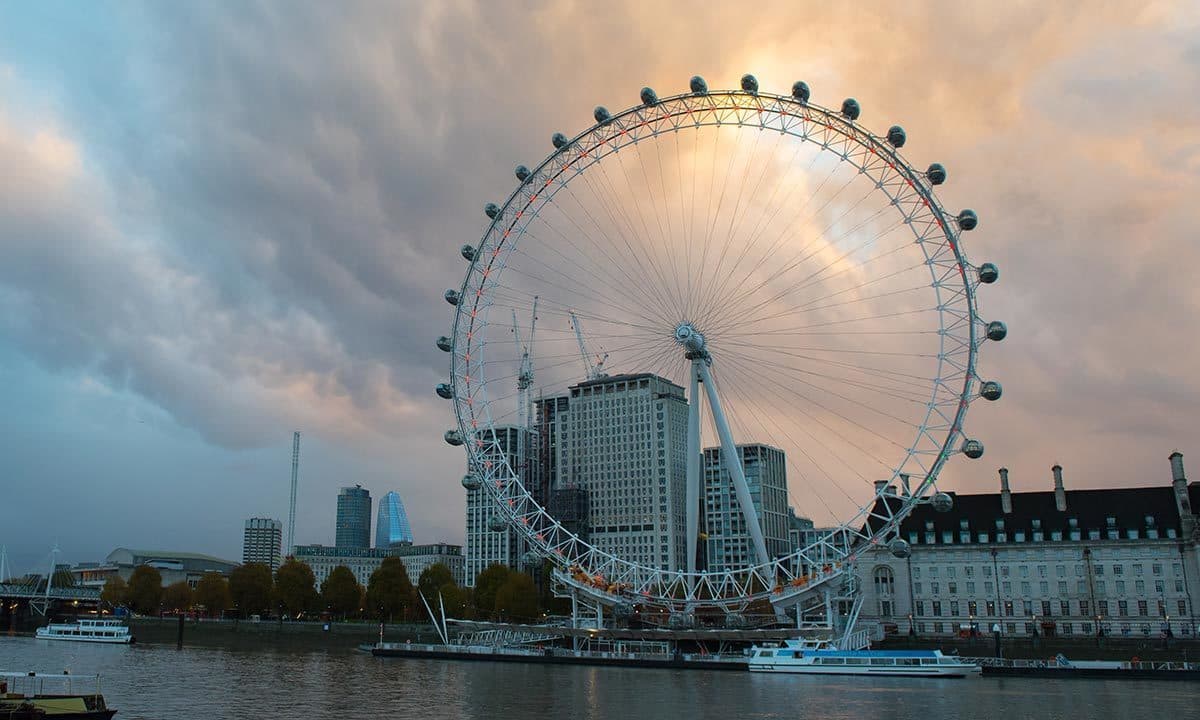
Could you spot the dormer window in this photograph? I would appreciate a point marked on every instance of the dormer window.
(1111, 520)
(999, 523)
(1037, 524)
(928, 524)
(1073, 523)
(1149, 521)
(962, 524)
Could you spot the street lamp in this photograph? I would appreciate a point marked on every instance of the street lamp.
(996, 634)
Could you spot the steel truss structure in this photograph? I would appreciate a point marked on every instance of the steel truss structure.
(807, 571)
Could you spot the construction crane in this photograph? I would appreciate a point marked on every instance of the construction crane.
(525, 373)
(593, 364)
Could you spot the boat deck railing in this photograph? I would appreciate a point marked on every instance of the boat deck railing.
(557, 652)
(30, 684)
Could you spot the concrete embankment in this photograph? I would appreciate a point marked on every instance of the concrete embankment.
(247, 634)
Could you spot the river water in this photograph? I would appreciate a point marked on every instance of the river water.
(159, 682)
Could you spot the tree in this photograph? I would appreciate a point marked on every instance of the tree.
(389, 591)
(486, 585)
(516, 598)
(432, 580)
(341, 592)
(457, 601)
(295, 586)
(177, 596)
(115, 591)
(145, 589)
(213, 593)
(250, 587)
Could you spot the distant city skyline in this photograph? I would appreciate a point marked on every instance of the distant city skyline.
(191, 272)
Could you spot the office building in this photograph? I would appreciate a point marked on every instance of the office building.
(729, 546)
(353, 518)
(1119, 562)
(261, 542)
(322, 559)
(622, 440)
(490, 539)
(391, 525)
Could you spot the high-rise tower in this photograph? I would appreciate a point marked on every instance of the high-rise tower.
(353, 518)
(391, 524)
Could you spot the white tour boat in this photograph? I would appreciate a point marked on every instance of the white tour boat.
(83, 630)
(821, 658)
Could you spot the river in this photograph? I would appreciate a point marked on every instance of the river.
(161, 683)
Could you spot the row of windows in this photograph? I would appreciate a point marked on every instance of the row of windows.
(963, 537)
(1044, 608)
(1098, 569)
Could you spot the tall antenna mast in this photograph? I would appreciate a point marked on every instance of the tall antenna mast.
(291, 537)
(3, 563)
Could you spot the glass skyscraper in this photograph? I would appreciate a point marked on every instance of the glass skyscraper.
(391, 524)
(353, 518)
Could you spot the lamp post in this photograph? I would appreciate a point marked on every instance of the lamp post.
(912, 630)
(1099, 630)
(996, 635)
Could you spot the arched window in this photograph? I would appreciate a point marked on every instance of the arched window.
(885, 581)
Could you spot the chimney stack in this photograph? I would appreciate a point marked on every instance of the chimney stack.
(1179, 483)
(1060, 493)
(879, 486)
(1005, 494)
(904, 484)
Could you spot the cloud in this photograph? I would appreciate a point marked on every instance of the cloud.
(247, 216)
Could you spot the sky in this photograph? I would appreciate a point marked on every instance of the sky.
(222, 222)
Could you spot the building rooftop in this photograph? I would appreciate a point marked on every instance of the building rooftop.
(625, 377)
(1091, 509)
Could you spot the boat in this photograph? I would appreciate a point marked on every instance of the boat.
(40, 696)
(102, 630)
(819, 657)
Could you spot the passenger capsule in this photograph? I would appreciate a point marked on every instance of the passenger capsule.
(559, 141)
(445, 344)
(601, 114)
(451, 297)
(750, 84)
(800, 91)
(972, 449)
(988, 273)
(491, 210)
(453, 437)
(497, 524)
(942, 502)
(967, 220)
(997, 330)
(698, 86)
(991, 390)
(896, 136)
(649, 97)
(467, 251)
(471, 482)
(936, 174)
(530, 559)
(851, 109)
(444, 391)
(522, 173)
(899, 548)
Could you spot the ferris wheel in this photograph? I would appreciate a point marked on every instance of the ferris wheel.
(786, 273)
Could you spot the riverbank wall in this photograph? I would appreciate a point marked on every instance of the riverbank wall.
(248, 634)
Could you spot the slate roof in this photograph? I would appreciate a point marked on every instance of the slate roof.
(1090, 509)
